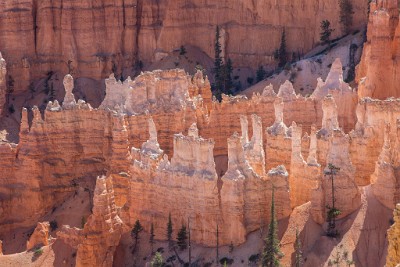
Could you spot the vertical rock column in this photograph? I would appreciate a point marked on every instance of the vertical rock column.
(383, 180)
(304, 178)
(335, 150)
(254, 150)
(278, 144)
(69, 99)
(97, 241)
(120, 159)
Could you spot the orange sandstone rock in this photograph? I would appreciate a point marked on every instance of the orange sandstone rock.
(39, 237)
(393, 256)
(97, 241)
(376, 74)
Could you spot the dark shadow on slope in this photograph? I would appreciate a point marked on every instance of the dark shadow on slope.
(371, 248)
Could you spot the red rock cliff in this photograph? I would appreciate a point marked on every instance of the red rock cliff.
(88, 38)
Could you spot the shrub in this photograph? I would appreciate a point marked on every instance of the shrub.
(157, 260)
(261, 74)
(254, 258)
(226, 260)
(182, 50)
(288, 66)
(11, 109)
(53, 225)
(38, 252)
(83, 222)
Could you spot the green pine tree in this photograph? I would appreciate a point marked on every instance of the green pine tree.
(261, 74)
(298, 251)
(227, 76)
(152, 235)
(282, 52)
(169, 230)
(218, 66)
(332, 212)
(137, 228)
(272, 252)
(326, 32)
(157, 260)
(182, 238)
(346, 15)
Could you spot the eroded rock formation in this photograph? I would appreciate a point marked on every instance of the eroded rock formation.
(156, 138)
(97, 241)
(39, 237)
(393, 257)
(383, 180)
(380, 52)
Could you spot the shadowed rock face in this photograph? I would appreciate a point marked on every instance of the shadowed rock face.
(93, 38)
(3, 85)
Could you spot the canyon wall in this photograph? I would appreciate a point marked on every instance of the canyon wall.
(94, 38)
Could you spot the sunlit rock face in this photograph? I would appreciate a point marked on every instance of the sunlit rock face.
(393, 257)
(380, 53)
(39, 237)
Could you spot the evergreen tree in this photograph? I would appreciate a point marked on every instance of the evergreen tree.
(272, 251)
(169, 229)
(137, 228)
(346, 15)
(182, 50)
(261, 74)
(326, 31)
(332, 212)
(157, 260)
(10, 87)
(282, 52)
(218, 66)
(227, 77)
(298, 251)
(52, 93)
(152, 235)
(182, 238)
